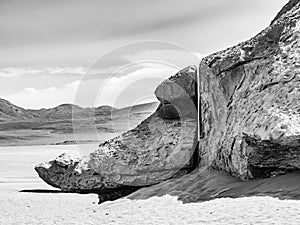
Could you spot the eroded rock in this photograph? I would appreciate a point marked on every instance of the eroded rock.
(159, 148)
(178, 94)
(250, 102)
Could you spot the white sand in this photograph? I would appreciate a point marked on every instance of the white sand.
(59, 208)
(16, 173)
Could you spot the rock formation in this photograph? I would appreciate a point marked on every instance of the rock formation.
(249, 117)
(250, 102)
(160, 147)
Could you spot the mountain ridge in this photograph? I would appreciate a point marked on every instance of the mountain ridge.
(58, 125)
(10, 112)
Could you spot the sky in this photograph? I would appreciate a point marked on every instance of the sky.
(115, 52)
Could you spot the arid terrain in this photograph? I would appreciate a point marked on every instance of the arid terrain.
(67, 124)
(222, 146)
(26, 199)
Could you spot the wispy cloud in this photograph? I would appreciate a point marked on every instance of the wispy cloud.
(11, 72)
(137, 86)
(16, 72)
(67, 70)
(68, 32)
(34, 98)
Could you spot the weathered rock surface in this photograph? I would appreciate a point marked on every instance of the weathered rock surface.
(160, 147)
(178, 94)
(250, 102)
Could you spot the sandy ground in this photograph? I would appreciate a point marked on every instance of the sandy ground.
(42, 204)
(61, 208)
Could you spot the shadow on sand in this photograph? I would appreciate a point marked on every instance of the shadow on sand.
(43, 191)
(51, 191)
(205, 185)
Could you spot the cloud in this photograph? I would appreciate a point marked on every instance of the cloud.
(16, 72)
(11, 72)
(119, 91)
(73, 33)
(136, 87)
(33, 98)
(133, 76)
(67, 70)
(73, 21)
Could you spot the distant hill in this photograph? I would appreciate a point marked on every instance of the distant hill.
(11, 112)
(63, 112)
(105, 110)
(19, 126)
(137, 109)
(69, 111)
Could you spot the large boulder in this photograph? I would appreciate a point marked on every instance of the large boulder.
(159, 148)
(250, 102)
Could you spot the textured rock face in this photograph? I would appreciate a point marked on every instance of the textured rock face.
(250, 102)
(178, 94)
(160, 147)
